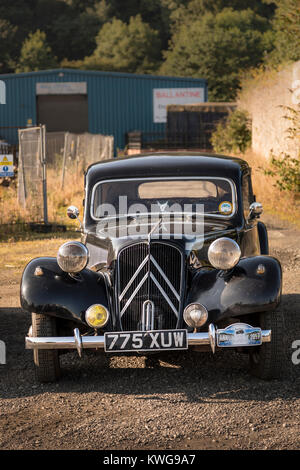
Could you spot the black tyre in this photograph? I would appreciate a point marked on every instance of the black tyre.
(46, 362)
(268, 361)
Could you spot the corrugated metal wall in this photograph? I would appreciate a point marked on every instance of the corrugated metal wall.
(117, 103)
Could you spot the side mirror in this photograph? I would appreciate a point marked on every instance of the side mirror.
(255, 210)
(73, 212)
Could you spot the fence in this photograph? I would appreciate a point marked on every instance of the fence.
(188, 127)
(138, 141)
(4, 147)
(55, 142)
(191, 125)
(81, 150)
(32, 191)
(65, 155)
(178, 140)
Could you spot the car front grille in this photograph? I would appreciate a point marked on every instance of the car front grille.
(149, 273)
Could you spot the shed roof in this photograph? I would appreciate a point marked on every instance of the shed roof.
(100, 73)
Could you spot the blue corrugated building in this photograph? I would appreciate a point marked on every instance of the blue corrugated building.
(108, 103)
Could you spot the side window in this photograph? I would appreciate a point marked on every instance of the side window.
(247, 193)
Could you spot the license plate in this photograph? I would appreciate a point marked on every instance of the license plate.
(158, 340)
(237, 335)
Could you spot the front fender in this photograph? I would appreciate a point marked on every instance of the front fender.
(240, 292)
(59, 294)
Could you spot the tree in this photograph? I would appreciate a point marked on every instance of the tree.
(7, 36)
(20, 15)
(133, 47)
(74, 36)
(186, 12)
(287, 31)
(156, 13)
(70, 25)
(218, 47)
(233, 134)
(36, 54)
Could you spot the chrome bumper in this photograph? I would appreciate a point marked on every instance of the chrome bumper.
(97, 342)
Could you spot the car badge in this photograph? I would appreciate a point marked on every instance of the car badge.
(162, 206)
(225, 207)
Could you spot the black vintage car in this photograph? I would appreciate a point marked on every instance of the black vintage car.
(172, 257)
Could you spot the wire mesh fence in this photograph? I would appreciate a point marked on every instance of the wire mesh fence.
(65, 156)
(4, 147)
(32, 172)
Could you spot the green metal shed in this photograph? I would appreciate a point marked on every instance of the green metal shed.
(108, 103)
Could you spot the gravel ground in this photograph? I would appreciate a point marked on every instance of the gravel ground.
(188, 401)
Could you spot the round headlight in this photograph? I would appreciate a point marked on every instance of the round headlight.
(72, 257)
(224, 253)
(97, 316)
(195, 315)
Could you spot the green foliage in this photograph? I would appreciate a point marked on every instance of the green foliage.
(36, 54)
(70, 26)
(284, 167)
(218, 47)
(218, 40)
(133, 47)
(233, 135)
(286, 26)
(189, 11)
(102, 10)
(7, 36)
(78, 32)
(18, 14)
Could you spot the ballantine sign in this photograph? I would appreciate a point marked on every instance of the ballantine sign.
(162, 97)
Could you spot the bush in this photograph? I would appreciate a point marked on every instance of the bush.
(233, 135)
(287, 172)
(284, 167)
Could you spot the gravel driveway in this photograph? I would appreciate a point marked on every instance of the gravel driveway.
(187, 401)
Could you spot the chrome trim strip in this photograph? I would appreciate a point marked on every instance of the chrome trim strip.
(148, 316)
(152, 259)
(133, 277)
(63, 342)
(88, 342)
(163, 293)
(165, 278)
(157, 225)
(229, 180)
(133, 295)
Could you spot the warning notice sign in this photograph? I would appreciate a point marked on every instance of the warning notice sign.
(6, 165)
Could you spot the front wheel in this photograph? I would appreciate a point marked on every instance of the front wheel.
(268, 360)
(46, 361)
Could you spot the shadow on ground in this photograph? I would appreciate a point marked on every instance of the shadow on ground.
(198, 376)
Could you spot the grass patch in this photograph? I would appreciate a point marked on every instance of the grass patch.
(24, 233)
(282, 204)
(15, 255)
(15, 220)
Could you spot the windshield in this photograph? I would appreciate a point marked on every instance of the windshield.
(211, 196)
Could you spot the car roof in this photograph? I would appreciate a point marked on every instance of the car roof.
(167, 164)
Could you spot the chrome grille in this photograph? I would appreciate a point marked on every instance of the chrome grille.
(149, 273)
